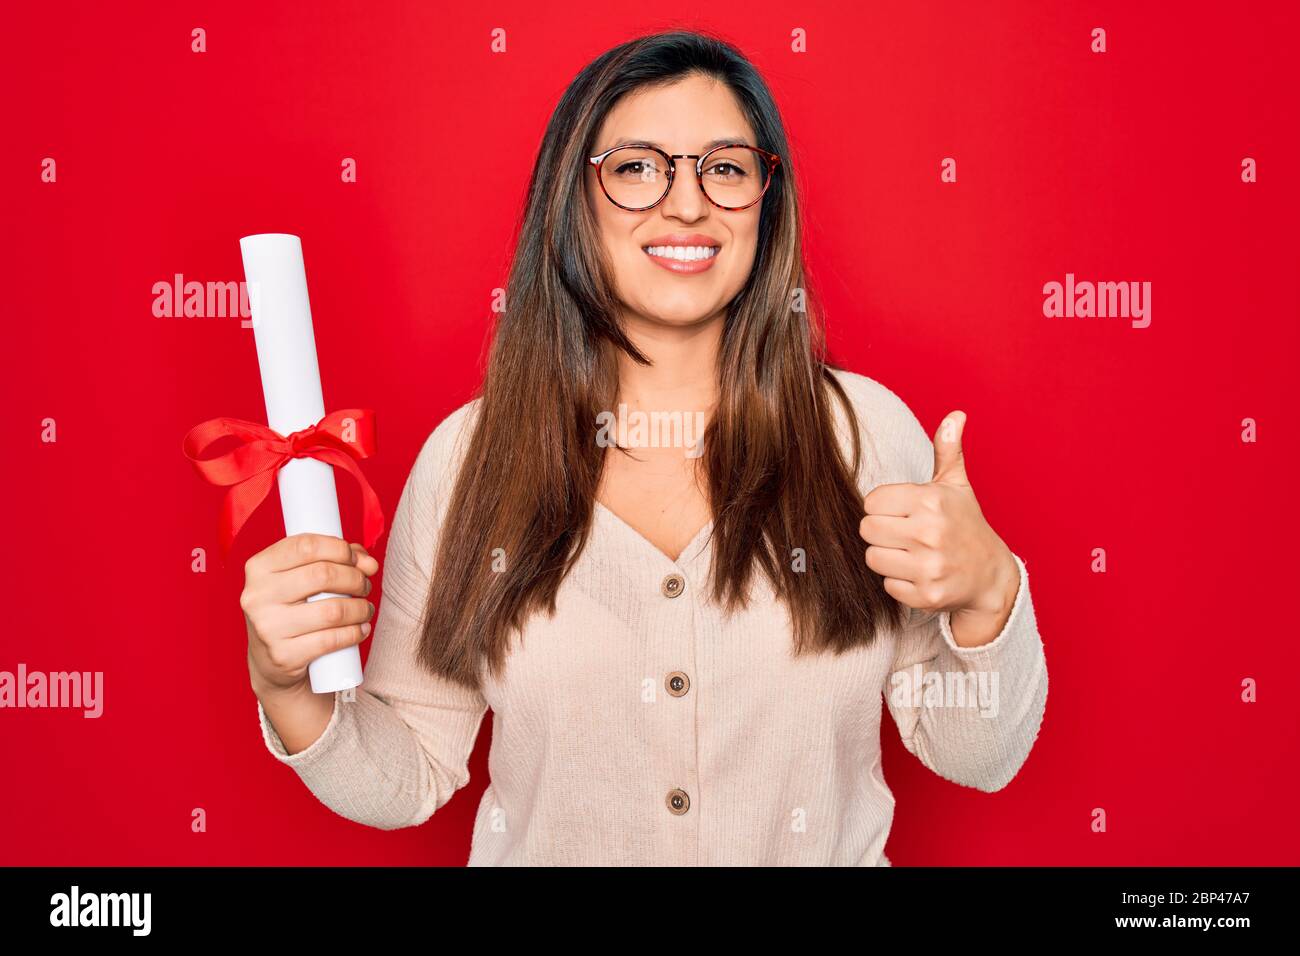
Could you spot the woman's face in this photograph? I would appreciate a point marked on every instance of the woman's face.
(681, 118)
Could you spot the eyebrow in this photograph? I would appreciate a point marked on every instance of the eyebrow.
(729, 141)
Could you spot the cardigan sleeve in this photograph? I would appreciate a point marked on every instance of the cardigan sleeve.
(397, 752)
(970, 714)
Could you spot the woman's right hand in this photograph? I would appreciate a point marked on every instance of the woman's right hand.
(285, 631)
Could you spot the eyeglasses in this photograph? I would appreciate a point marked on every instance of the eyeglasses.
(637, 176)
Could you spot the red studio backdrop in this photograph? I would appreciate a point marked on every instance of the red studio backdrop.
(1168, 158)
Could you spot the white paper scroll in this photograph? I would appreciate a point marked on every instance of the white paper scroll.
(286, 354)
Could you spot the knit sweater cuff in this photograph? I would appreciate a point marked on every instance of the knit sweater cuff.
(1019, 623)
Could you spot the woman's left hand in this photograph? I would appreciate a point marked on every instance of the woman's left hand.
(934, 549)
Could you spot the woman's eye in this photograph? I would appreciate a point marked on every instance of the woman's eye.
(636, 169)
(726, 170)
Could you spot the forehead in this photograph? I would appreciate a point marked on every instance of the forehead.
(681, 116)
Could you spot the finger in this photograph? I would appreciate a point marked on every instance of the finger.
(366, 562)
(893, 563)
(949, 461)
(299, 549)
(899, 500)
(904, 592)
(889, 531)
(299, 619)
(301, 651)
(319, 577)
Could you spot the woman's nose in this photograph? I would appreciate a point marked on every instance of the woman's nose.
(684, 199)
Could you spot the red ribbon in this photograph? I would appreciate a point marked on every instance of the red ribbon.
(250, 468)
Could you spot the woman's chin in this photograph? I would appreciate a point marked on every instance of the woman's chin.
(682, 316)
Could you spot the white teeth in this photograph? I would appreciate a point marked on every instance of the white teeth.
(683, 253)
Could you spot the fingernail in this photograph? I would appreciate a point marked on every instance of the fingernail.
(365, 628)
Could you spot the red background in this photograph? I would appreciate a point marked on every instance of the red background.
(1082, 433)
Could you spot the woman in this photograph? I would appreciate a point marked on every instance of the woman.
(682, 640)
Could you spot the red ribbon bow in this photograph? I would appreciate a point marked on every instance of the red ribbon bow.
(250, 468)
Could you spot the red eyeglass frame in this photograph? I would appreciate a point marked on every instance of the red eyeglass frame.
(773, 161)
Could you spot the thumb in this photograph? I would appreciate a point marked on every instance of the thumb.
(949, 463)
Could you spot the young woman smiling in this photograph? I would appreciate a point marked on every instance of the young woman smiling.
(685, 654)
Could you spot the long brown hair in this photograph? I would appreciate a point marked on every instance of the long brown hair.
(777, 476)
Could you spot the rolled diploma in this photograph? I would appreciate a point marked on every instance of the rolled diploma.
(286, 355)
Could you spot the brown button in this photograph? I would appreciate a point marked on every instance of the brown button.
(678, 684)
(673, 585)
(678, 801)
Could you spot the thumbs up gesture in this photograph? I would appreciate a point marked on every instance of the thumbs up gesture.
(934, 549)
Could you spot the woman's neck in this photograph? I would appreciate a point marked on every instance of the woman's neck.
(684, 373)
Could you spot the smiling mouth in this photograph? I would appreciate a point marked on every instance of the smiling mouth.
(684, 260)
(682, 253)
